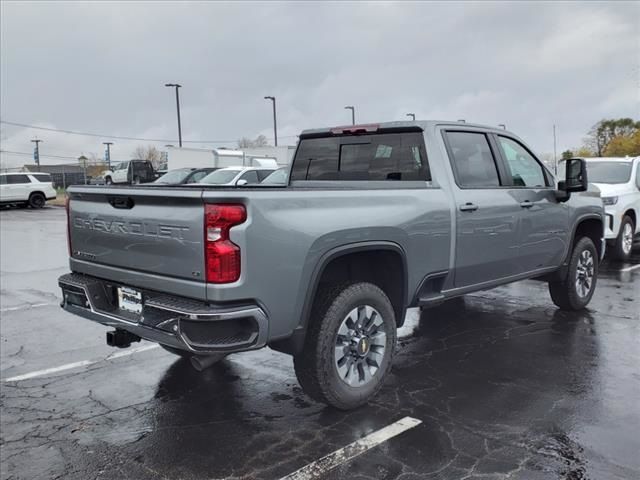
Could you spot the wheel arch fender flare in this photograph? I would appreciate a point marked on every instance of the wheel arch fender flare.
(295, 342)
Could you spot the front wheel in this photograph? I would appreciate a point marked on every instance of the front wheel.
(624, 242)
(574, 292)
(108, 181)
(349, 346)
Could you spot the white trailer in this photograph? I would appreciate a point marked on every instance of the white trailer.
(217, 158)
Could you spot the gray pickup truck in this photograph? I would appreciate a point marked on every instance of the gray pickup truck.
(373, 219)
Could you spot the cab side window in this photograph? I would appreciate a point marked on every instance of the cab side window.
(473, 160)
(524, 168)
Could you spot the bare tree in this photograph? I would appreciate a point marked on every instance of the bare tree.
(259, 141)
(150, 153)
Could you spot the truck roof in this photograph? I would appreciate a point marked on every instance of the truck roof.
(423, 124)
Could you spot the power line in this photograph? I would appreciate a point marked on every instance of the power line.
(27, 154)
(88, 134)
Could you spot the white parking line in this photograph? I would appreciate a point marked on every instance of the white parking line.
(24, 307)
(628, 269)
(320, 467)
(81, 363)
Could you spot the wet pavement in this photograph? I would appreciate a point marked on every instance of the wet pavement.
(506, 386)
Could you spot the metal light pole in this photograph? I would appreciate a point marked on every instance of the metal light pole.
(275, 124)
(412, 115)
(555, 155)
(353, 113)
(177, 86)
(108, 153)
(36, 152)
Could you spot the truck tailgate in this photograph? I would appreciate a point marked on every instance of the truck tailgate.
(148, 229)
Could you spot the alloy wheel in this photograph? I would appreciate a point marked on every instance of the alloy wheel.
(360, 346)
(585, 271)
(627, 238)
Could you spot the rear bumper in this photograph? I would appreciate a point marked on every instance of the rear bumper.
(177, 322)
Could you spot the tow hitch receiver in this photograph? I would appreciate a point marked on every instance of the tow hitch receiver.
(121, 338)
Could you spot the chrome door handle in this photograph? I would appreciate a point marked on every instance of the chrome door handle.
(468, 207)
(526, 204)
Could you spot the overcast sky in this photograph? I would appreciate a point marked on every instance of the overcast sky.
(101, 67)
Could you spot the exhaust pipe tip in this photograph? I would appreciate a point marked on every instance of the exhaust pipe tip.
(202, 362)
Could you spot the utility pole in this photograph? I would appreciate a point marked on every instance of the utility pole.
(177, 86)
(107, 154)
(353, 113)
(275, 124)
(555, 156)
(36, 152)
(412, 115)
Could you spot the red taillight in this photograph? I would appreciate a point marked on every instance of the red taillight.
(222, 256)
(66, 206)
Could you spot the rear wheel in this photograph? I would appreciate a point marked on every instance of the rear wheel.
(574, 292)
(349, 346)
(37, 200)
(624, 242)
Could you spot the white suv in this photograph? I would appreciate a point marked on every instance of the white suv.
(619, 182)
(33, 189)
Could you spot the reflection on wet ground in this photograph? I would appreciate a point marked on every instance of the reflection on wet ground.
(506, 386)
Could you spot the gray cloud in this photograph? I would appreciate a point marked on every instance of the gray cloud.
(101, 67)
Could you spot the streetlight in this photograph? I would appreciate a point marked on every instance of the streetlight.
(412, 115)
(353, 113)
(177, 86)
(275, 124)
(108, 153)
(36, 152)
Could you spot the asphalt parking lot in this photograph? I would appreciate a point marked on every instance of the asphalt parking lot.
(503, 385)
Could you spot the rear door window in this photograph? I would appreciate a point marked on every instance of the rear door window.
(472, 159)
(42, 177)
(380, 157)
(13, 179)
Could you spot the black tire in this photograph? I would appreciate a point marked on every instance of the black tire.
(316, 367)
(108, 181)
(565, 293)
(37, 200)
(622, 249)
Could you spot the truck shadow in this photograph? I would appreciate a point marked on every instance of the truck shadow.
(472, 368)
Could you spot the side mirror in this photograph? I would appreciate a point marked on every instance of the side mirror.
(241, 182)
(575, 176)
